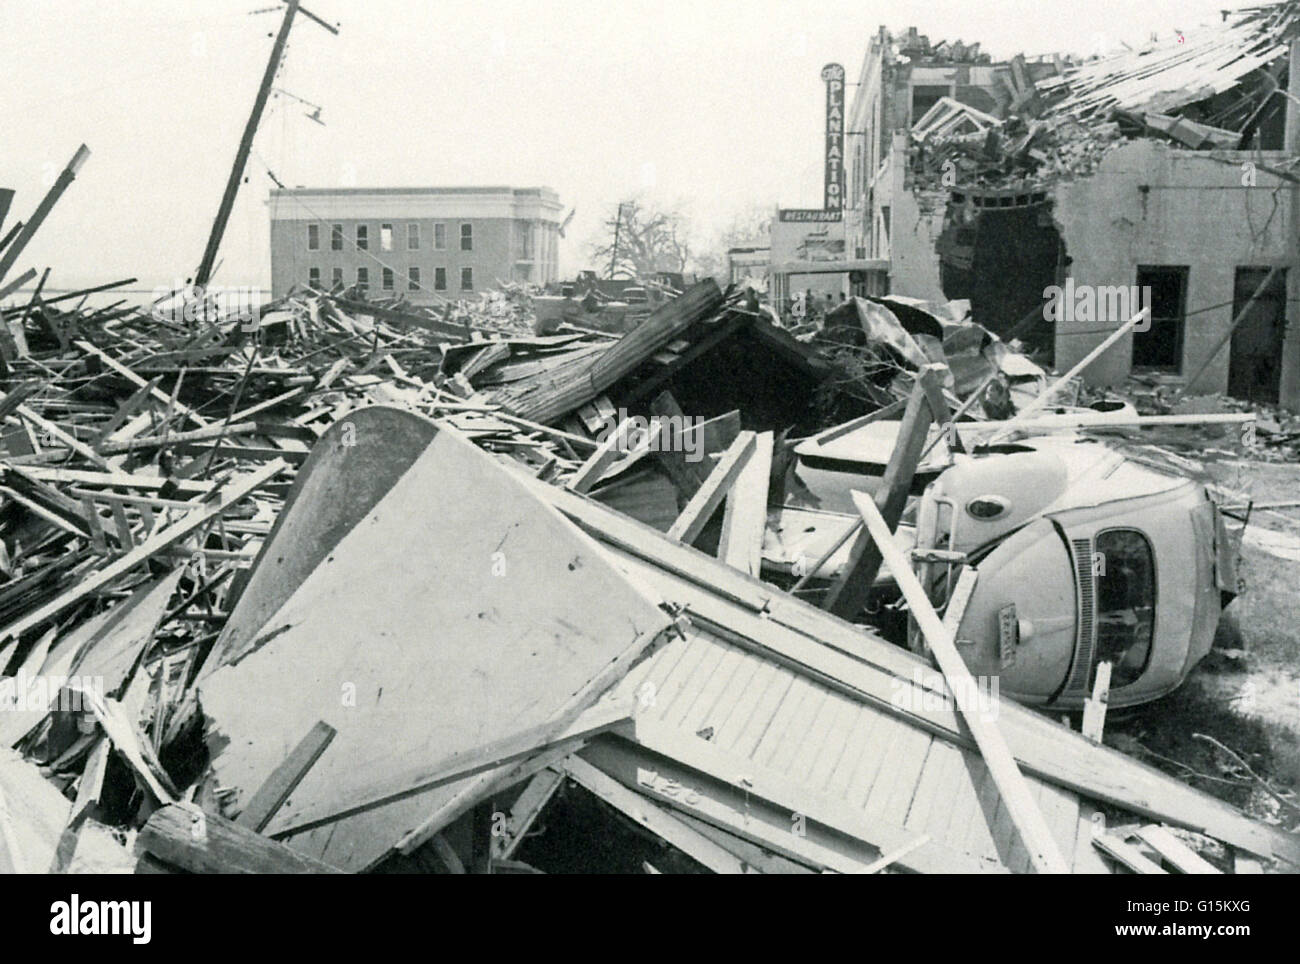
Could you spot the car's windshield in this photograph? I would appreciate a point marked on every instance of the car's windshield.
(1126, 603)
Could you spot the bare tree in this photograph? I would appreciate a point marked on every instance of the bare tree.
(750, 227)
(641, 240)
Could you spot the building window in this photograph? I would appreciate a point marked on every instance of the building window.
(363, 279)
(466, 279)
(525, 240)
(440, 278)
(413, 278)
(336, 277)
(313, 237)
(923, 98)
(1126, 603)
(363, 237)
(386, 237)
(387, 276)
(336, 237)
(440, 237)
(1160, 347)
(313, 277)
(467, 237)
(412, 236)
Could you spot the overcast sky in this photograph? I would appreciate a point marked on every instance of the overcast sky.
(711, 104)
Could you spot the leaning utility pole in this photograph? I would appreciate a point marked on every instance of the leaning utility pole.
(246, 142)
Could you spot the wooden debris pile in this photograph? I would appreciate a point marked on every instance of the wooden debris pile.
(147, 453)
(337, 585)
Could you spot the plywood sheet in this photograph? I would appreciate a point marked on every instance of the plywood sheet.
(457, 612)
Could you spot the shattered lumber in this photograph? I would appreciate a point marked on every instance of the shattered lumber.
(848, 594)
(709, 496)
(157, 542)
(546, 399)
(207, 843)
(1043, 851)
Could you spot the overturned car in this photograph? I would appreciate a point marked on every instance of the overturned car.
(1086, 553)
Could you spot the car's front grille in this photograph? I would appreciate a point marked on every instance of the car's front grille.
(1085, 644)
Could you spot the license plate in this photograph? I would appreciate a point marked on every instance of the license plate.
(1008, 635)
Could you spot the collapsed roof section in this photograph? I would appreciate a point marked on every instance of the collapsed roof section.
(1180, 70)
(1220, 87)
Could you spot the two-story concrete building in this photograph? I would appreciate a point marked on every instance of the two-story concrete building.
(431, 244)
(1206, 234)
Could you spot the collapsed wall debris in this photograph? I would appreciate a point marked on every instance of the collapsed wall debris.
(339, 585)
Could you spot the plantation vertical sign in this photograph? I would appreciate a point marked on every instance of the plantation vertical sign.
(833, 75)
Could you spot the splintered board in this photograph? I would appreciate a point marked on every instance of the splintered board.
(458, 613)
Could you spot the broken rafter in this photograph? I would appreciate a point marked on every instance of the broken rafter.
(700, 509)
(157, 542)
(1034, 832)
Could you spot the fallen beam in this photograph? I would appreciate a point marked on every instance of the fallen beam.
(205, 843)
(848, 594)
(156, 543)
(1033, 829)
(272, 794)
(706, 500)
(745, 518)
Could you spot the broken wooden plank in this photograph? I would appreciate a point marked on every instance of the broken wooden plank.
(1014, 791)
(848, 594)
(179, 438)
(163, 539)
(12, 286)
(527, 806)
(150, 387)
(53, 431)
(709, 496)
(271, 795)
(745, 518)
(1046, 395)
(130, 742)
(89, 787)
(1126, 854)
(957, 603)
(66, 177)
(649, 815)
(688, 443)
(96, 527)
(206, 843)
(611, 450)
(1174, 851)
(1094, 708)
(117, 479)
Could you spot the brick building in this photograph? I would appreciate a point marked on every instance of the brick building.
(430, 244)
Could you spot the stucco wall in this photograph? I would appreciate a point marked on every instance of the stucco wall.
(916, 222)
(1148, 204)
(1151, 205)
